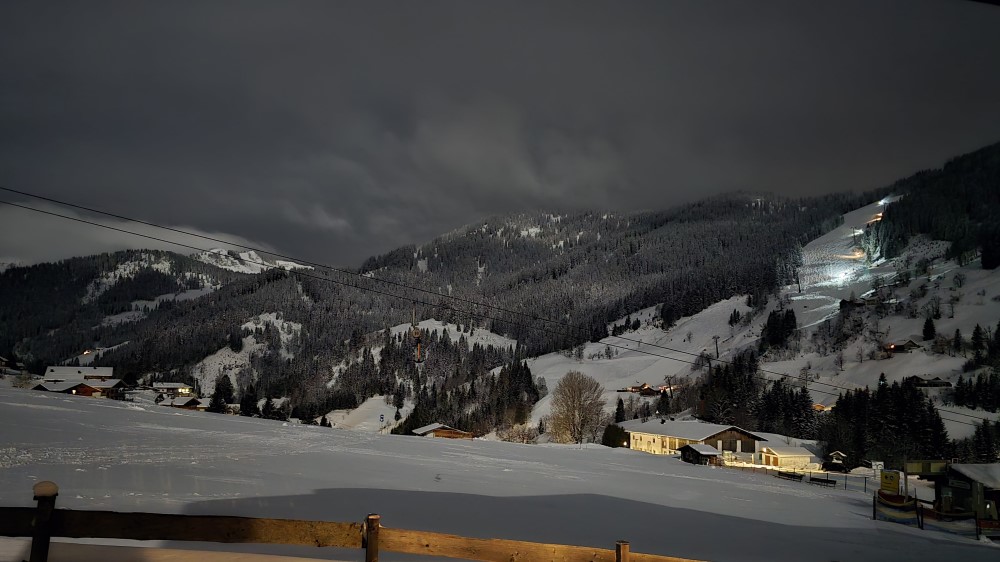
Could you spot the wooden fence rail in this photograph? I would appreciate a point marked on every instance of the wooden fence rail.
(43, 522)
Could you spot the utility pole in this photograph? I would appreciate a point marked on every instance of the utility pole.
(716, 338)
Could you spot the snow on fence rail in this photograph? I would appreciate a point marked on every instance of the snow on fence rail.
(44, 522)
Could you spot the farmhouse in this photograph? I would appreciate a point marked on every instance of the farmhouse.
(901, 346)
(187, 403)
(172, 389)
(441, 430)
(83, 381)
(63, 374)
(936, 382)
(65, 388)
(700, 454)
(666, 437)
(787, 457)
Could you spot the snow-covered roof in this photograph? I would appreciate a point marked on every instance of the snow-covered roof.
(57, 386)
(77, 373)
(184, 401)
(99, 384)
(693, 430)
(429, 428)
(177, 385)
(987, 474)
(788, 451)
(704, 450)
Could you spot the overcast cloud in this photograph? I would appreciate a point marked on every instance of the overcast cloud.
(336, 130)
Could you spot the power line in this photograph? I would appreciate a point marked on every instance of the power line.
(401, 285)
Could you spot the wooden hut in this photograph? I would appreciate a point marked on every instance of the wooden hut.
(700, 454)
(441, 430)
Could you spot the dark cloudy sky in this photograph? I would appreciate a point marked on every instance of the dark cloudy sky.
(336, 130)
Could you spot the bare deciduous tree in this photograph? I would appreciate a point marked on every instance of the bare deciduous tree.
(577, 408)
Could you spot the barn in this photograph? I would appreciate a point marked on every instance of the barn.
(441, 430)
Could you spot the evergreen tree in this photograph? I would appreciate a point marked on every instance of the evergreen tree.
(663, 403)
(620, 411)
(959, 394)
(236, 340)
(248, 402)
(224, 388)
(929, 331)
(614, 436)
(956, 342)
(985, 443)
(217, 405)
(269, 412)
(978, 344)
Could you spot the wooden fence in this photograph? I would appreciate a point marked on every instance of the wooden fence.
(43, 522)
(831, 479)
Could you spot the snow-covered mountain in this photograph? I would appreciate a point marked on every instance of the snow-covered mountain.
(244, 262)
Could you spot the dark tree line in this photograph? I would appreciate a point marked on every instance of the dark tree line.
(493, 401)
(780, 326)
(892, 423)
(983, 391)
(736, 393)
(982, 447)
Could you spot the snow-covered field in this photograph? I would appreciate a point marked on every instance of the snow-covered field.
(117, 456)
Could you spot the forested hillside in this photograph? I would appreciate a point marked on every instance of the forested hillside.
(959, 203)
(580, 270)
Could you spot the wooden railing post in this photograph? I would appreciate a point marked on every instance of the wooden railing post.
(621, 551)
(372, 523)
(45, 493)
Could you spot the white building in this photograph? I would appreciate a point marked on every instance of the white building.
(665, 437)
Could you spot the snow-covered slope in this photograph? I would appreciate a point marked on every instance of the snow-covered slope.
(375, 415)
(110, 455)
(229, 362)
(633, 360)
(125, 270)
(833, 269)
(244, 262)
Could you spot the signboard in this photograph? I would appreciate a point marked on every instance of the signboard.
(878, 465)
(925, 468)
(890, 482)
(959, 484)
